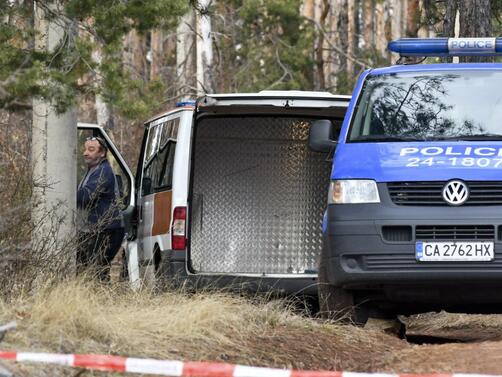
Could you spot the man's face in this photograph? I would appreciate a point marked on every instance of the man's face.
(93, 153)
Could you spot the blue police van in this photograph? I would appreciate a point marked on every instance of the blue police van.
(414, 215)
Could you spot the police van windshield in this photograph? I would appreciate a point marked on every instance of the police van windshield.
(418, 106)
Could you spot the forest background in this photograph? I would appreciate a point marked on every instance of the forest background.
(117, 63)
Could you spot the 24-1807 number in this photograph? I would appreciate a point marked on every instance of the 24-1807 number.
(481, 162)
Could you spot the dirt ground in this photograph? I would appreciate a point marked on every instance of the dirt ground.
(77, 318)
(470, 344)
(475, 348)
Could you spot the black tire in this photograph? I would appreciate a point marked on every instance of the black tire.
(336, 303)
(161, 273)
(124, 268)
(166, 279)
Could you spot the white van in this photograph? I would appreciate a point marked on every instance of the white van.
(228, 192)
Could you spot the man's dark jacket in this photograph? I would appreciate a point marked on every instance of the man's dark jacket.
(99, 195)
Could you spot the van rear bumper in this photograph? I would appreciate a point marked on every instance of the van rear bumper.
(175, 266)
(360, 256)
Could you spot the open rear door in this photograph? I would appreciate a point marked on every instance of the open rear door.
(258, 191)
(125, 180)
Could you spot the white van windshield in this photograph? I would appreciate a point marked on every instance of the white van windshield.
(417, 106)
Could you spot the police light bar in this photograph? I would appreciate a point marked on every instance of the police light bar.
(447, 46)
(185, 103)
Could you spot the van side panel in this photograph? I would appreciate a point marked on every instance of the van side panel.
(162, 212)
(158, 162)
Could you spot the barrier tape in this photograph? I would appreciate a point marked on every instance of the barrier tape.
(185, 369)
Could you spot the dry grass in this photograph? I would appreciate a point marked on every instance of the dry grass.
(78, 316)
(445, 320)
(456, 325)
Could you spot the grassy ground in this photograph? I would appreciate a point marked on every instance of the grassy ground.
(79, 317)
(459, 326)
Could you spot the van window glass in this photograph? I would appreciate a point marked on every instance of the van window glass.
(170, 131)
(166, 133)
(151, 175)
(446, 105)
(153, 141)
(151, 165)
(166, 155)
(158, 170)
(166, 178)
(174, 130)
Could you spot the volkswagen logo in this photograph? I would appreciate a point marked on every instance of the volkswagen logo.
(455, 193)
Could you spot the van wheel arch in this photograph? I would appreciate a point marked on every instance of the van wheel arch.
(337, 303)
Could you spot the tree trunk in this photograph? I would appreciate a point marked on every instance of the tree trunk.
(331, 58)
(322, 11)
(103, 113)
(205, 80)
(397, 19)
(368, 23)
(413, 18)
(307, 9)
(186, 57)
(380, 28)
(135, 55)
(475, 21)
(342, 37)
(449, 18)
(156, 53)
(352, 33)
(53, 156)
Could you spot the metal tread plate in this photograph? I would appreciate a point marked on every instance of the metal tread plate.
(259, 197)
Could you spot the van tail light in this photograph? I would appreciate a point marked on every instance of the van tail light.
(178, 231)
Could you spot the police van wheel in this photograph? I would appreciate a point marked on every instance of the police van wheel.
(338, 304)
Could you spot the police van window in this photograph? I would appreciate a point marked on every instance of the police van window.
(151, 164)
(174, 133)
(166, 133)
(446, 105)
(158, 168)
(153, 141)
(167, 151)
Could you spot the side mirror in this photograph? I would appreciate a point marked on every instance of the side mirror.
(320, 137)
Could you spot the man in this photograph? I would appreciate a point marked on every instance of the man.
(102, 231)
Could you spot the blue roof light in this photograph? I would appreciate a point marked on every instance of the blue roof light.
(185, 103)
(447, 46)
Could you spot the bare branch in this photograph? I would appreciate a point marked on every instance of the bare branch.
(336, 48)
(286, 71)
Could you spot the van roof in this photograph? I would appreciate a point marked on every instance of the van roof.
(436, 68)
(274, 98)
(265, 97)
(280, 94)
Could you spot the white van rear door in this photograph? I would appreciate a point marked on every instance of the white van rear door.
(122, 172)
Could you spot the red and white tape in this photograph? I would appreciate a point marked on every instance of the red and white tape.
(184, 369)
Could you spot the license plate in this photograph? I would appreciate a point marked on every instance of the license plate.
(454, 251)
